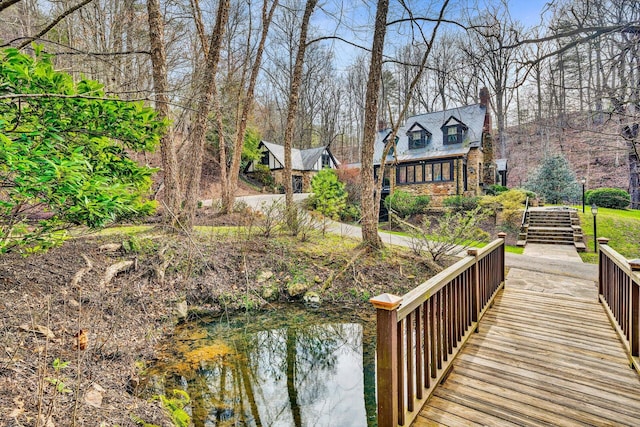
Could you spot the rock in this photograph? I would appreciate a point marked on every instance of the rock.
(264, 276)
(182, 309)
(311, 298)
(93, 397)
(296, 289)
(270, 292)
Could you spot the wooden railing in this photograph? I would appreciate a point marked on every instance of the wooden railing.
(619, 293)
(420, 333)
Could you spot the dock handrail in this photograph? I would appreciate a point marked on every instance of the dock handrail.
(619, 293)
(420, 333)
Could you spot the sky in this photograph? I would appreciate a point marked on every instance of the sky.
(356, 21)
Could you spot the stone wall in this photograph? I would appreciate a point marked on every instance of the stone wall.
(307, 176)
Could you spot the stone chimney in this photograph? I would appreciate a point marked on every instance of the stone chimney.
(488, 174)
(484, 97)
(485, 102)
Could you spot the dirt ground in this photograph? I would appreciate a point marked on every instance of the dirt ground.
(81, 323)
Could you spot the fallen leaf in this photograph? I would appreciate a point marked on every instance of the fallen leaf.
(81, 340)
(39, 329)
(18, 410)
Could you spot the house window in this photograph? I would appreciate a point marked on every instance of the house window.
(265, 158)
(326, 161)
(417, 173)
(418, 139)
(453, 135)
(402, 175)
(437, 171)
(446, 171)
(411, 174)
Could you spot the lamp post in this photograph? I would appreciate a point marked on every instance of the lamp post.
(594, 212)
(584, 181)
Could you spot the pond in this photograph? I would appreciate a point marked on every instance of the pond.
(289, 366)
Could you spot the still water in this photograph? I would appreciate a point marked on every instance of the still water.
(290, 366)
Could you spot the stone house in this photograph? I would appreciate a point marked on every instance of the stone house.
(305, 164)
(440, 154)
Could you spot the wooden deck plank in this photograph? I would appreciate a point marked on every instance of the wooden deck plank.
(539, 359)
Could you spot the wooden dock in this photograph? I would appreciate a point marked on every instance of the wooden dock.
(539, 359)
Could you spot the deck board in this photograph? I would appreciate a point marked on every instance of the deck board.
(539, 359)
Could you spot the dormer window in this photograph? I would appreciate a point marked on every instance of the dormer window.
(418, 137)
(453, 131)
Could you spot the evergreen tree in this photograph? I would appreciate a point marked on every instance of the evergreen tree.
(554, 180)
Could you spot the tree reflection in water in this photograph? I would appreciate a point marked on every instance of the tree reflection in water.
(304, 369)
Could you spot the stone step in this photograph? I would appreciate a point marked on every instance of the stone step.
(551, 242)
(563, 223)
(580, 246)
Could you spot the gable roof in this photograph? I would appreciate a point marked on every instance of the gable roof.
(301, 160)
(471, 116)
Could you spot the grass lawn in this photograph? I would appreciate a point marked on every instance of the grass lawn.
(622, 227)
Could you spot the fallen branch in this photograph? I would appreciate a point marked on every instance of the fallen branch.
(80, 273)
(327, 283)
(113, 270)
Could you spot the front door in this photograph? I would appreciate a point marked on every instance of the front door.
(297, 184)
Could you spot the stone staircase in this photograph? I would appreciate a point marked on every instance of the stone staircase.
(554, 227)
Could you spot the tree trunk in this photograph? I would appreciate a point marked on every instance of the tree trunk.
(634, 176)
(161, 88)
(230, 181)
(370, 237)
(195, 153)
(294, 97)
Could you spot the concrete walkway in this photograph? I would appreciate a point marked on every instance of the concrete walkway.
(554, 269)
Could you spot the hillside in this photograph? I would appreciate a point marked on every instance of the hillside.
(595, 150)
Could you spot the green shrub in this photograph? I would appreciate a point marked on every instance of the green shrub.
(329, 197)
(554, 180)
(262, 174)
(495, 189)
(510, 203)
(587, 195)
(461, 203)
(613, 198)
(406, 204)
(528, 193)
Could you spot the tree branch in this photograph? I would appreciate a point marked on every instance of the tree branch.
(6, 3)
(54, 22)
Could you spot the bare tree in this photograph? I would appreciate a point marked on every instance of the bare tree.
(230, 170)
(292, 109)
(161, 89)
(192, 175)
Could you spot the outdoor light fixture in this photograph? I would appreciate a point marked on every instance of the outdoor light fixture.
(583, 181)
(594, 212)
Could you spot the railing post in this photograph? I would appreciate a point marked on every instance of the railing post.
(387, 358)
(475, 288)
(601, 272)
(635, 309)
(502, 236)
